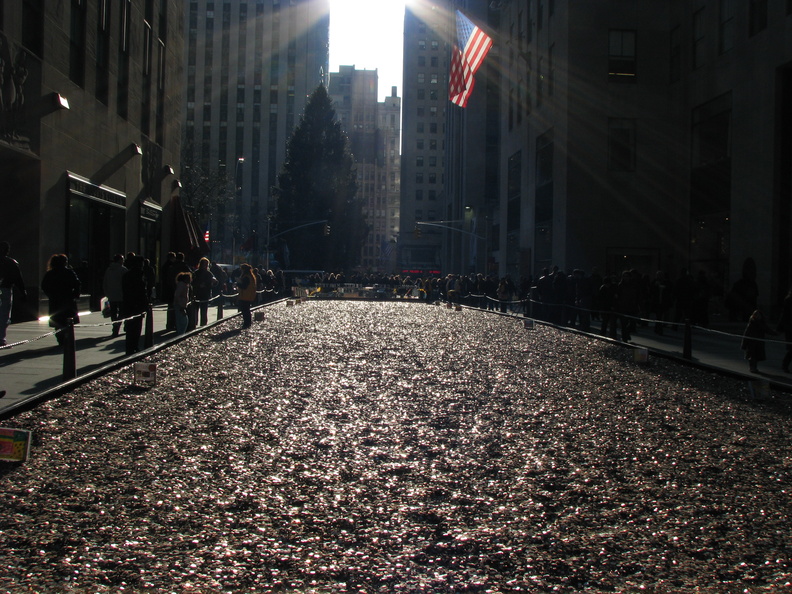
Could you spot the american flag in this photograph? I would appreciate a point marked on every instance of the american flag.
(465, 62)
(206, 233)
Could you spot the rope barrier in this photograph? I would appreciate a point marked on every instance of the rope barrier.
(468, 296)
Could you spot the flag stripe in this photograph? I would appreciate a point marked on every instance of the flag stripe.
(465, 63)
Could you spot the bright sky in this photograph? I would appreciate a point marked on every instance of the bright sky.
(369, 34)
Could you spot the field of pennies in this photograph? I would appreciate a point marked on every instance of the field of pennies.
(344, 446)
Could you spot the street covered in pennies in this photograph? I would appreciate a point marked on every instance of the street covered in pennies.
(344, 446)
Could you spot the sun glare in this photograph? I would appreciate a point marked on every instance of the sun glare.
(368, 34)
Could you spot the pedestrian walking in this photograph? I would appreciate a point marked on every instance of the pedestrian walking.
(113, 290)
(181, 300)
(136, 302)
(62, 287)
(753, 342)
(10, 277)
(247, 293)
(203, 281)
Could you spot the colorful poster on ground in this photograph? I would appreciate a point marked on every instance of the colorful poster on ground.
(14, 444)
(145, 374)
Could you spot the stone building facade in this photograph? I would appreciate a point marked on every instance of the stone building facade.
(91, 131)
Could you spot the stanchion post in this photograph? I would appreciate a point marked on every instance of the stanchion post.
(687, 347)
(148, 341)
(69, 351)
(220, 307)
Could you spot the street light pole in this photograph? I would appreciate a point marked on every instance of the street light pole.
(237, 206)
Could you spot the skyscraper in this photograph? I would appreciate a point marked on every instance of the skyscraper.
(424, 104)
(251, 66)
(373, 131)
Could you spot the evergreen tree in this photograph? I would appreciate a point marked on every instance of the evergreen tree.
(317, 183)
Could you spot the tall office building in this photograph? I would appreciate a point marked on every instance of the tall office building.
(389, 181)
(449, 154)
(424, 105)
(373, 131)
(89, 134)
(649, 136)
(251, 66)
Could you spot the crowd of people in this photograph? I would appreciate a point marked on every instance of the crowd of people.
(613, 305)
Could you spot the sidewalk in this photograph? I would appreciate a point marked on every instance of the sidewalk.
(31, 369)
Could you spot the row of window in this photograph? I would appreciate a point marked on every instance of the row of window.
(152, 47)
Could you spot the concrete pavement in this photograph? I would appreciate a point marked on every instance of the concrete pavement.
(33, 366)
(32, 369)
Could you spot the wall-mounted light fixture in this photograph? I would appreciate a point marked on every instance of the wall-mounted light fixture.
(59, 101)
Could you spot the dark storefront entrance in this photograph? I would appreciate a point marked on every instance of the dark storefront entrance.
(96, 231)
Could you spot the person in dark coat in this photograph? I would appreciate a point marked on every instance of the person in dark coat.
(203, 281)
(785, 326)
(660, 300)
(111, 283)
(10, 277)
(168, 286)
(136, 302)
(607, 302)
(753, 342)
(627, 304)
(62, 287)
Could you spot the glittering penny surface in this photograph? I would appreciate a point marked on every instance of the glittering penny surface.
(396, 447)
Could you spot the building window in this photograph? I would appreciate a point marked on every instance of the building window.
(419, 161)
(698, 38)
(513, 189)
(621, 144)
(103, 52)
(621, 56)
(726, 26)
(433, 79)
(33, 26)
(421, 78)
(421, 60)
(675, 58)
(419, 178)
(433, 94)
(758, 16)
(511, 109)
(419, 144)
(419, 195)
(77, 43)
(421, 94)
(435, 45)
(421, 44)
(432, 128)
